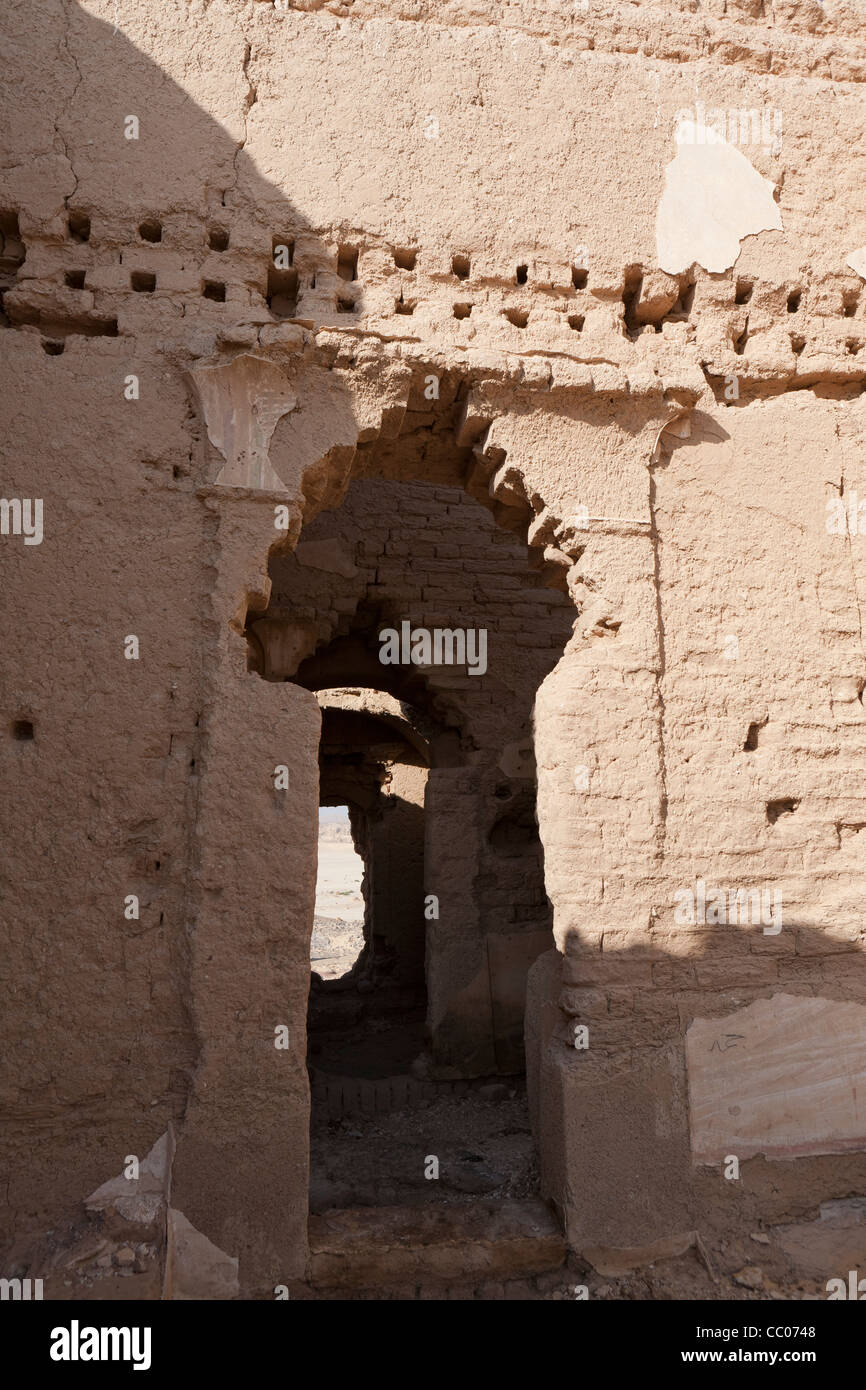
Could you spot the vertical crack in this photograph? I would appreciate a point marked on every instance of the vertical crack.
(660, 666)
(250, 99)
(67, 47)
(850, 548)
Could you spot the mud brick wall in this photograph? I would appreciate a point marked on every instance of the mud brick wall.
(500, 340)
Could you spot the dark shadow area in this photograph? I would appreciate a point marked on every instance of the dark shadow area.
(370, 1021)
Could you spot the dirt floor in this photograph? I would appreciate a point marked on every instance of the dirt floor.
(471, 1145)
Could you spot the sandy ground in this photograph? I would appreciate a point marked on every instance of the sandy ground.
(338, 929)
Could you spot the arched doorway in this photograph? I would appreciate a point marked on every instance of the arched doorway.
(417, 1052)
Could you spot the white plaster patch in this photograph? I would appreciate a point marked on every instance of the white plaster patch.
(242, 401)
(713, 198)
(785, 1077)
(139, 1199)
(195, 1268)
(857, 261)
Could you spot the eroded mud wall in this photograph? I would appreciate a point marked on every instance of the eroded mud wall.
(494, 208)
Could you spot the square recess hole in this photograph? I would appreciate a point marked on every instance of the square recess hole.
(12, 249)
(347, 262)
(75, 279)
(142, 281)
(79, 226)
(150, 229)
(282, 289)
(216, 290)
(218, 239)
(22, 730)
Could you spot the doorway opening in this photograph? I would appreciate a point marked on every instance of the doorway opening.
(338, 925)
(366, 1023)
(416, 1054)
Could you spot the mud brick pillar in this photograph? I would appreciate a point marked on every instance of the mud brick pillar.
(241, 1170)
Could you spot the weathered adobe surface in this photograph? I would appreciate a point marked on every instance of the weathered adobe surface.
(820, 37)
(553, 133)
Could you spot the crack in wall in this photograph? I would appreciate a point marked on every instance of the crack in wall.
(849, 548)
(250, 100)
(67, 47)
(655, 539)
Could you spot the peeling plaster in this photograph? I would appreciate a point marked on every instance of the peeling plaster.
(857, 261)
(242, 402)
(713, 198)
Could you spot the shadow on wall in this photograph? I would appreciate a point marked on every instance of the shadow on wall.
(141, 245)
(649, 1067)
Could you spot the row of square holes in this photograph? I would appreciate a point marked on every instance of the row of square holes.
(218, 240)
(850, 298)
(347, 268)
(347, 256)
(798, 343)
(518, 317)
(460, 266)
(144, 282)
(283, 285)
(149, 230)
